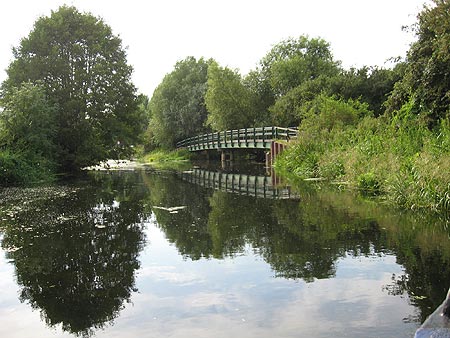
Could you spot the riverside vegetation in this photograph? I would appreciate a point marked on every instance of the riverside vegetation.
(385, 131)
(399, 158)
(404, 153)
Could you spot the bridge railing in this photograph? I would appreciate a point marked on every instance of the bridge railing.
(239, 137)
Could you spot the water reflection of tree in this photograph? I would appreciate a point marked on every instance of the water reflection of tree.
(427, 277)
(304, 239)
(186, 228)
(420, 242)
(76, 253)
(300, 240)
(422, 245)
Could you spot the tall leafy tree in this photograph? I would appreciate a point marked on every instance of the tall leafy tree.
(177, 106)
(230, 103)
(286, 70)
(27, 148)
(82, 66)
(27, 122)
(369, 84)
(429, 60)
(427, 77)
(293, 62)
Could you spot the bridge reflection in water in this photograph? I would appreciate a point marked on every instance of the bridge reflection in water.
(242, 184)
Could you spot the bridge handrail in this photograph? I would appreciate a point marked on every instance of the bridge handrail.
(241, 135)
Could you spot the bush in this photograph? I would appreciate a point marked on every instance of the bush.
(327, 113)
(15, 169)
(369, 184)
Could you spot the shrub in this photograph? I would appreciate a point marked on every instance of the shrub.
(16, 169)
(369, 184)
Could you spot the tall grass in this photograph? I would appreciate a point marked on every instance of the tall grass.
(399, 158)
(167, 159)
(160, 155)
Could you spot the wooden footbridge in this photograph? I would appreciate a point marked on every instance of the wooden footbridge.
(271, 139)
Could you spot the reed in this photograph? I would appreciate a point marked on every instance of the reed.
(399, 158)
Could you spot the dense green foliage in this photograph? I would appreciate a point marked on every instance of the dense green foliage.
(230, 104)
(289, 70)
(401, 158)
(403, 154)
(177, 107)
(291, 75)
(18, 169)
(90, 111)
(427, 78)
(27, 134)
(68, 102)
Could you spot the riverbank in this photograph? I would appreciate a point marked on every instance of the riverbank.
(399, 159)
(160, 158)
(116, 165)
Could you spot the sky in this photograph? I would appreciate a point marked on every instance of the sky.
(236, 33)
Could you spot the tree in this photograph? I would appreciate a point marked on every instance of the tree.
(325, 113)
(285, 111)
(286, 70)
(427, 77)
(27, 122)
(231, 105)
(369, 84)
(293, 62)
(178, 106)
(83, 68)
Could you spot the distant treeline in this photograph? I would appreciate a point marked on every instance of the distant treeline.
(201, 96)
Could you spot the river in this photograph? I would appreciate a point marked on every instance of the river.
(200, 253)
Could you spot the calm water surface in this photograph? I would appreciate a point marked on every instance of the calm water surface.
(151, 253)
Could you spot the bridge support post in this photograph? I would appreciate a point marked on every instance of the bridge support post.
(206, 152)
(226, 155)
(268, 159)
(276, 148)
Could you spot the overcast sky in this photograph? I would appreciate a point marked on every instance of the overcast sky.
(236, 33)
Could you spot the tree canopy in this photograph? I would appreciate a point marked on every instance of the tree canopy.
(429, 60)
(26, 122)
(286, 71)
(295, 61)
(288, 78)
(230, 103)
(177, 106)
(81, 65)
(427, 80)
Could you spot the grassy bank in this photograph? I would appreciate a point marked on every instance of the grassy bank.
(166, 158)
(398, 158)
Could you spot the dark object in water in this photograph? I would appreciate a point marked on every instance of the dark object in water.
(437, 325)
